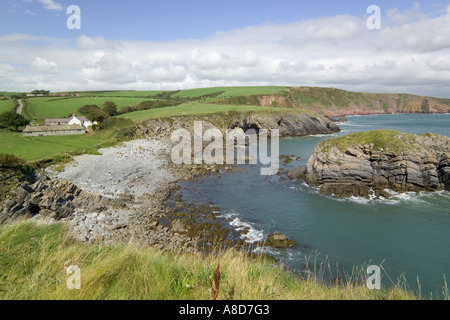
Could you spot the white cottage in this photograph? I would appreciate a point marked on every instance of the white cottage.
(80, 121)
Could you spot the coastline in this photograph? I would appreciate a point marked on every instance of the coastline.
(127, 193)
(132, 185)
(144, 182)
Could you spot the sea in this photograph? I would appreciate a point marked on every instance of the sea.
(406, 236)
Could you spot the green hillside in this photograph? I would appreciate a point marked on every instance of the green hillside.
(336, 102)
(145, 105)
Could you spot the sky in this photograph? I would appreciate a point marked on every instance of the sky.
(182, 44)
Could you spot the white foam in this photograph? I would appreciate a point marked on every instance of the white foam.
(228, 215)
(359, 200)
(397, 197)
(252, 235)
(265, 250)
(294, 188)
(355, 125)
(323, 135)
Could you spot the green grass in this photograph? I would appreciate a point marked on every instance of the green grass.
(8, 94)
(193, 108)
(330, 97)
(38, 148)
(230, 91)
(6, 105)
(388, 139)
(122, 93)
(51, 107)
(33, 262)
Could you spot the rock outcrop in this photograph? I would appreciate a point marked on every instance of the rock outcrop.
(277, 240)
(41, 195)
(295, 123)
(369, 164)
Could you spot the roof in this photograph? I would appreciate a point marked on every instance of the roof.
(80, 118)
(65, 120)
(53, 128)
(56, 120)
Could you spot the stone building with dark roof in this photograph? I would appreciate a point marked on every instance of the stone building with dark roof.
(81, 121)
(53, 130)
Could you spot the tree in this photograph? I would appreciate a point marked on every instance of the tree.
(12, 120)
(126, 109)
(97, 116)
(93, 113)
(87, 109)
(110, 108)
(43, 92)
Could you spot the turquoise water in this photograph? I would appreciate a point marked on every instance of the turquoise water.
(408, 235)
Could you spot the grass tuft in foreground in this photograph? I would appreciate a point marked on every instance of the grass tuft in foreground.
(34, 260)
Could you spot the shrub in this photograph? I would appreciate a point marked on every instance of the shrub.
(12, 120)
(115, 123)
(10, 161)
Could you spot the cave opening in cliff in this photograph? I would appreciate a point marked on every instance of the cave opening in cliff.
(34, 209)
(246, 127)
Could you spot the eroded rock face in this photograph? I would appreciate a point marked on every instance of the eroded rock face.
(418, 163)
(45, 196)
(288, 124)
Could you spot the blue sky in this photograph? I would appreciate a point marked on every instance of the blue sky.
(165, 20)
(179, 44)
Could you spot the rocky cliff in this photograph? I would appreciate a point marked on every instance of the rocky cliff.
(38, 194)
(293, 123)
(372, 163)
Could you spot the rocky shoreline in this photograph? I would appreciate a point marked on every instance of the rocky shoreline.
(128, 193)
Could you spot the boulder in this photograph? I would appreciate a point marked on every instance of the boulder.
(277, 240)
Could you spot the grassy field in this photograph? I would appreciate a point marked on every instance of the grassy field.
(6, 105)
(39, 108)
(123, 93)
(8, 94)
(192, 108)
(193, 102)
(50, 107)
(33, 262)
(229, 91)
(37, 148)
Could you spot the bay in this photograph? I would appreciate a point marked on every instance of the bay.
(407, 235)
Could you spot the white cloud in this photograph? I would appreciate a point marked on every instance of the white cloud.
(51, 5)
(43, 66)
(410, 54)
(97, 43)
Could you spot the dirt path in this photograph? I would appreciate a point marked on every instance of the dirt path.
(20, 107)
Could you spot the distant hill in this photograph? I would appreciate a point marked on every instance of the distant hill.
(329, 102)
(335, 102)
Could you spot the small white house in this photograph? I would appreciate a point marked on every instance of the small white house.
(80, 121)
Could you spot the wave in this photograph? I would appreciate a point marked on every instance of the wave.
(228, 215)
(252, 235)
(424, 198)
(346, 124)
(293, 188)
